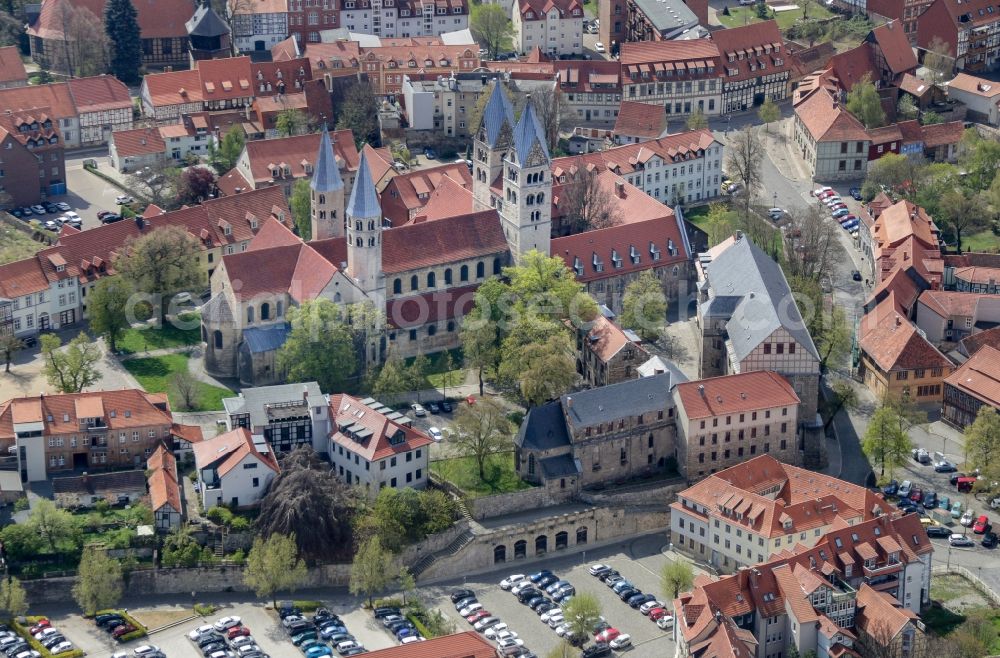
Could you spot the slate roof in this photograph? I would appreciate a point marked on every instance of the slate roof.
(364, 197)
(527, 133)
(543, 428)
(326, 173)
(745, 271)
(206, 23)
(498, 111)
(628, 398)
(559, 466)
(265, 339)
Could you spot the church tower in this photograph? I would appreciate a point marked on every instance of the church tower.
(493, 137)
(364, 236)
(326, 193)
(526, 212)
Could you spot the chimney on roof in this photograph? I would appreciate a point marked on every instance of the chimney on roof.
(620, 189)
(305, 393)
(701, 390)
(569, 401)
(899, 321)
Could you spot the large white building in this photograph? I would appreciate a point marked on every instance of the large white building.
(373, 447)
(553, 26)
(286, 415)
(234, 469)
(259, 25)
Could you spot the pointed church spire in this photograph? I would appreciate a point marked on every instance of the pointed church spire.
(498, 109)
(364, 198)
(527, 132)
(326, 176)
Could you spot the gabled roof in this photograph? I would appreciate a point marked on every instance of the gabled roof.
(418, 310)
(407, 193)
(622, 160)
(206, 23)
(123, 482)
(881, 616)
(827, 121)
(22, 277)
(980, 376)
(446, 240)
(895, 47)
(973, 85)
(138, 142)
(913, 85)
(163, 486)
(733, 394)
(11, 67)
(157, 18)
(632, 397)
(468, 644)
(364, 197)
(326, 174)
(975, 342)
(760, 44)
(605, 339)
(894, 343)
(947, 304)
(296, 152)
(542, 7)
(226, 451)
(901, 220)
(643, 52)
(369, 433)
(640, 120)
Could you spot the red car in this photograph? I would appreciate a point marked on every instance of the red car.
(607, 635)
(41, 625)
(982, 525)
(656, 613)
(237, 631)
(122, 630)
(477, 615)
(917, 495)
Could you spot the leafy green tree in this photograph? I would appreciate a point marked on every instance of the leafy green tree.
(884, 443)
(392, 378)
(492, 28)
(369, 572)
(481, 430)
(644, 306)
(982, 440)
(358, 113)
(582, 614)
(54, 526)
(719, 224)
(981, 159)
(99, 583)
(320, 346)
(893, 171)
(906, 108)
(769, 112)
(930, 118)
(122, 26)
(9, 345)
(835, 338)
(676, 576)
(407, 583)
(106, 306)
(762, 10)
(416, 374)
(162, 262)
(479, 346)
(74, 368)
(301, 205)
(697, 120)
(544, 284)
(938, 60)
(404, 516)
(273, 565)
(538, 358)
(964, 211)
(231, 147)
(13, 599)
(864, 103)
(291, 122)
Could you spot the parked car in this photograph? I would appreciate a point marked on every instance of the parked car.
(318, 651)
(485, 623)
(649, 605)
(840, 212)
(539, 575)
(917, 495)
(982, 524)
(456, 596)
(656, 613)
(477, 615)
(418, 410)
(891, 488)
(433, 407)
(856, 193)
(665, 622)
(492, 631)
(989, 540)
(960, 541)
(124, 199)
(601, 649)
(623, 641)
(226, 623)
(122, 630)
(904, 489)
(62, 206)
(599, 47)
(237, 631)
(930, 499)
(938, 531)
(39, 626)
(944, 467)
(446, 406)
(821, 190)
(193, 635)
(968, 518)
(956, 509)
(607, 635)
(598, 569)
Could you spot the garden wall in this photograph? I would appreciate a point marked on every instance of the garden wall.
(517, 501)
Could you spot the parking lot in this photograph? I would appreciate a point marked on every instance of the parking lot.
(647, 638)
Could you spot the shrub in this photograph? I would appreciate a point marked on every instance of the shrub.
(21, 505)
(239, 524)
(205, 609)
(308, 606)
(239, 557)
(389, 602)
(220, 515)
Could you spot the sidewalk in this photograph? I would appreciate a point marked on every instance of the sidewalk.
(779, 144)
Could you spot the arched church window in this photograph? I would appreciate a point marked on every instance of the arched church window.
(249, 314)
(265, 311)
(447, 277)
(480, 270)
(496, 265)
(322, 198)
(359, 242)
(463, 273)
(431, 280)
(413, 282)
(397, 287)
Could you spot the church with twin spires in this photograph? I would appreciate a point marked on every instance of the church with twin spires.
(424, 274)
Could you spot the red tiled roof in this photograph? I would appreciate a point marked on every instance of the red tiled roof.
(980, 376)
(163, 486)
(225, 78)
(228, 450)
(762, 42)
(418, 310)
(406, 194)
(880, 615)
(940, 134)
(748, 391)
(232, 182)
(296, 269)
(640, 120)
(973, 85)
(900, 221)
(850, 66)
(173, 88)
(976, 10)
(948, 304)
(157, 18)
(978, 274)
(137, 142)
(894, 343)
(336, 58)
(22, 277)
(347, 411)
(827, 121)
(55, 96)
(292, 151)
(380, 162)
(11, 66)
(605, 339)
(99, 93)
(541, 8)
(468, 644)
(642, 52)
(911, 84)
(895, 47)
(449, 199)
(975, 342)
(441, 241)
(120, 409)
(623, 159)
(584, 76)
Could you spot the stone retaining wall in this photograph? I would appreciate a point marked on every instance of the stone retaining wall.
(518, 501)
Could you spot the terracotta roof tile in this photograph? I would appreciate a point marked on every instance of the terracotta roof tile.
(418, 310)
(157, 18)
(292, 151)
(642, 52)
(173, 88)
(978, 274)
(228, 450)
(911, 84)
(138, 142)
(895, 47)
(640, 120)
(880, 615)
(55, 96)
(468, 644)
(974, 85)
(743, 392)
(975, 342)
(947, 304)
(11, 67)
(349, 411)
(407, 194)
(440, 241)
(894, 343)
(827, 121)
(758, 41)
(940, 134)
(22, 277)
(980, 376)
(622, 160)
(99, 93)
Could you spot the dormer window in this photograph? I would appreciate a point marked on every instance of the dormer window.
(227, 230)
(530, 15)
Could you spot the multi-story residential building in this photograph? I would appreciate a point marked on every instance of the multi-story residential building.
(854, 591)
(683, 76)
(745, 514)
(833, 144)
(946, 317)
(902, 12)
(407, 195)
(723, 421)
(260, 25)
(84, 431)
(600, 435)
(286, 415)
(981, 97)
(969, 29)
(608, 354)
(86, 109)
(12, 71)
(749, 321)
(372, 447)
(389, 19)
(443, 104)
(164, 36)
(553, 26)
(903, 235)
(386, 65)
(972, 272)
(755, 63)
(33, 166)
(234, 469)
(164, 490)
(681, 168)
(130, 150)
(592, 90)
(896, 360)
(973, 384)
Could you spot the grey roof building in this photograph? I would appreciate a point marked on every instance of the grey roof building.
(287, 415)
(498, 111)
(326, 175)
(527, 133)
(364, 198)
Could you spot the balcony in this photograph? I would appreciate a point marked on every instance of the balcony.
(885, 569)
(883, 583)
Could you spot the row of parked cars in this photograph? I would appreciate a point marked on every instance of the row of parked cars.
(320, 635)
(226, 638)
(647, 604)
(838, 209)
(14, 646)
(46, 634)
(401, 628)
(491, 626)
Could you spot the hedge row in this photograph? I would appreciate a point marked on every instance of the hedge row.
(140, 630)
(420, 625)
(36, 645)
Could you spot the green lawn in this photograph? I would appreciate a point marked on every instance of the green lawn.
(154, 375)
(16, 245)
(982, 241)
(436, 373)
(699, 216)
(739, 16)
(464, 474)
(155, 338)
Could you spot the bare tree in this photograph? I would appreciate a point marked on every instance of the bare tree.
(938, 60)
(584, 204)
(85, 42)
(549, 108)
(815, 238)
(746, 152)
(157, 182)
(186, 390)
